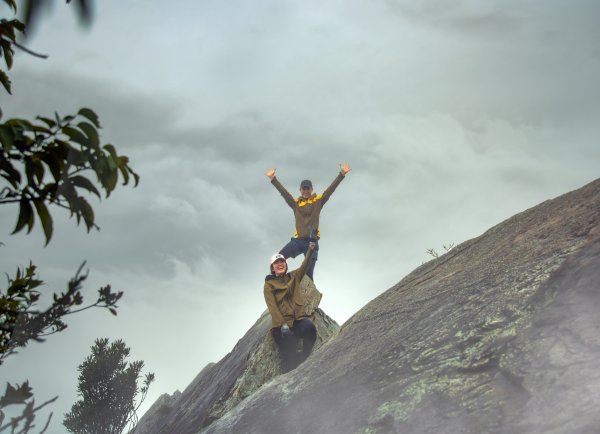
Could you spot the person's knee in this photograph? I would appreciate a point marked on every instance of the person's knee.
(276, 334)
(305, 328)
(290, 250)
(287, 252)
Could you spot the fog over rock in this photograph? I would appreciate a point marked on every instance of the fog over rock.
(221, 386)
(499, 335)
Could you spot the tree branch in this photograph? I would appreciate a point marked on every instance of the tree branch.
(15, 420)
(28, 51)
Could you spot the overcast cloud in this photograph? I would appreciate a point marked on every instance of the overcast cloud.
(453, 115)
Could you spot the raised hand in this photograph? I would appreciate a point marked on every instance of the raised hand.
(270, 173)
(344, 168)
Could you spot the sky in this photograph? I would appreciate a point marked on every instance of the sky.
(453, 115)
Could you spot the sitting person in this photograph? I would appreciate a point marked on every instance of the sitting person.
(290, 322)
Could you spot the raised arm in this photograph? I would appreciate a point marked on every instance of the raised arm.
(289, 199)
(344, 169)
(301, 271)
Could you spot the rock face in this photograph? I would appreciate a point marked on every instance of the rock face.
(219, 387)
(162, 407)
(500, 335)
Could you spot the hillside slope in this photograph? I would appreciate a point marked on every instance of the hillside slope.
(500, 335)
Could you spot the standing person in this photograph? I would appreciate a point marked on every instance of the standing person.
(307, 208)
(290, 321)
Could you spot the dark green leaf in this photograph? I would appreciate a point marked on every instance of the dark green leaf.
(47, 121)
(111, 150)
(90, 115)
(124, 173)
(22, 124)
(55, 164)
(76, 157)
(8, 58)
(29, 170)
(135, 176)
(83, 182)
(87, 212)
(12, 175)
(41, 129)
(76, 136)
(45, 218)
(99, 166)
(122, 163)
(50, 191)
(67, 119)
(112, 165)
(67, 191)
(91, 132)
(77, 298)
(109, 179)
(19, 25)
(8, 52)
(8, 27)
(12, 4)
(38, 169)
(61, 149)
(7, 137)
(25, 216)
(5, 81)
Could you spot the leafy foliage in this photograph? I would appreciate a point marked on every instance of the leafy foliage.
(50, 162)
(19, 396)
(22, 322)
(11, 29)
(108, 387)
(43, 163)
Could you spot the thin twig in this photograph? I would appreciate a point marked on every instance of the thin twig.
(47, 424)
(19, 418)
(27, 50)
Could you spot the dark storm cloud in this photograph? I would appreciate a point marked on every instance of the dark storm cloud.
(128, 117)
(458, 117)
(200, 185)
(460, 16)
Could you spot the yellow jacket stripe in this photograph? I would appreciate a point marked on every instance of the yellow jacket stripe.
(308, 201)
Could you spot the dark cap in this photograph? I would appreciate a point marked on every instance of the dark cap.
(306, 183)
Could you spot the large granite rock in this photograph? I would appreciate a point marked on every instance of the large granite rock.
(500, 335)
(219, 387)
(161, 408)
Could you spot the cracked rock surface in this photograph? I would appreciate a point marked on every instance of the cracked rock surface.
(499, 335)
